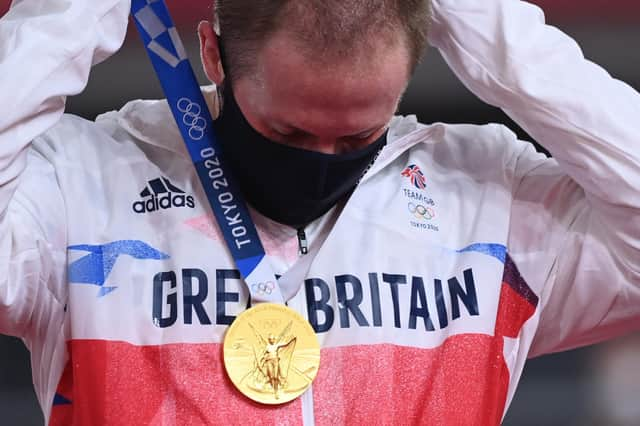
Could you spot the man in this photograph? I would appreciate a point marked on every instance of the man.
(451, 255)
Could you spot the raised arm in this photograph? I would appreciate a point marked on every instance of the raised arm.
(575, 223)
(46, 50)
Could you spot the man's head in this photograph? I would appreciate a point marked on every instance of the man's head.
(324, 75)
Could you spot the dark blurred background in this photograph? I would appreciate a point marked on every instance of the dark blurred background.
(592, 386)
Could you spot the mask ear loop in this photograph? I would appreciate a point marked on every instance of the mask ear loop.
(220, 88)
(220, 96)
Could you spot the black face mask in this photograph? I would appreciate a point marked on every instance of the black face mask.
(289, 185)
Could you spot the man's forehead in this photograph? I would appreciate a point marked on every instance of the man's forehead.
(345, 98)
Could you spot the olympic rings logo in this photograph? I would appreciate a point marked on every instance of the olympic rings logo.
(264, 288)
(271, 323)
(421, 212)
(191, 117)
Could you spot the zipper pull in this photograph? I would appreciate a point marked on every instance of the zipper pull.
(303, 244)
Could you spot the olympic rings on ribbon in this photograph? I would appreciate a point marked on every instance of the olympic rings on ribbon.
(191, 118)
(263, 288)
(421, 212)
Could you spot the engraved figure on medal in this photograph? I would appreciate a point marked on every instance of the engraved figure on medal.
(272, 369)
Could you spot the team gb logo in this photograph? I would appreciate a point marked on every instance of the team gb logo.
(416, 176)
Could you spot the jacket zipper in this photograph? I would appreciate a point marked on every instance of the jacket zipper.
(303, 244)
(306, 399)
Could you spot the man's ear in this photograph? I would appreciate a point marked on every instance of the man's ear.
(210, 53)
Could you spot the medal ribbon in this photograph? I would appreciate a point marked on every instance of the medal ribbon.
(193, 118)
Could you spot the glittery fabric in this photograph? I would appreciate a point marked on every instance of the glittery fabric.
(514, 279)
(462, 382)
(115, 383)
(517, 304)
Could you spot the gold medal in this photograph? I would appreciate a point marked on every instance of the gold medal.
(271, 353)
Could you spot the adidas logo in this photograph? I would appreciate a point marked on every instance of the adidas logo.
(161, 194)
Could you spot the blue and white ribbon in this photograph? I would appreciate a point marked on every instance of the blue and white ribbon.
(190, 111)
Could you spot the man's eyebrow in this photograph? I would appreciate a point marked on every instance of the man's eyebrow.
(370, 130)
(295, 130)
(367, 132)
(283, 127)
(288, 129)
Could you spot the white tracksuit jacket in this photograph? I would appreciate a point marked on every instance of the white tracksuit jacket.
(432, 287)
